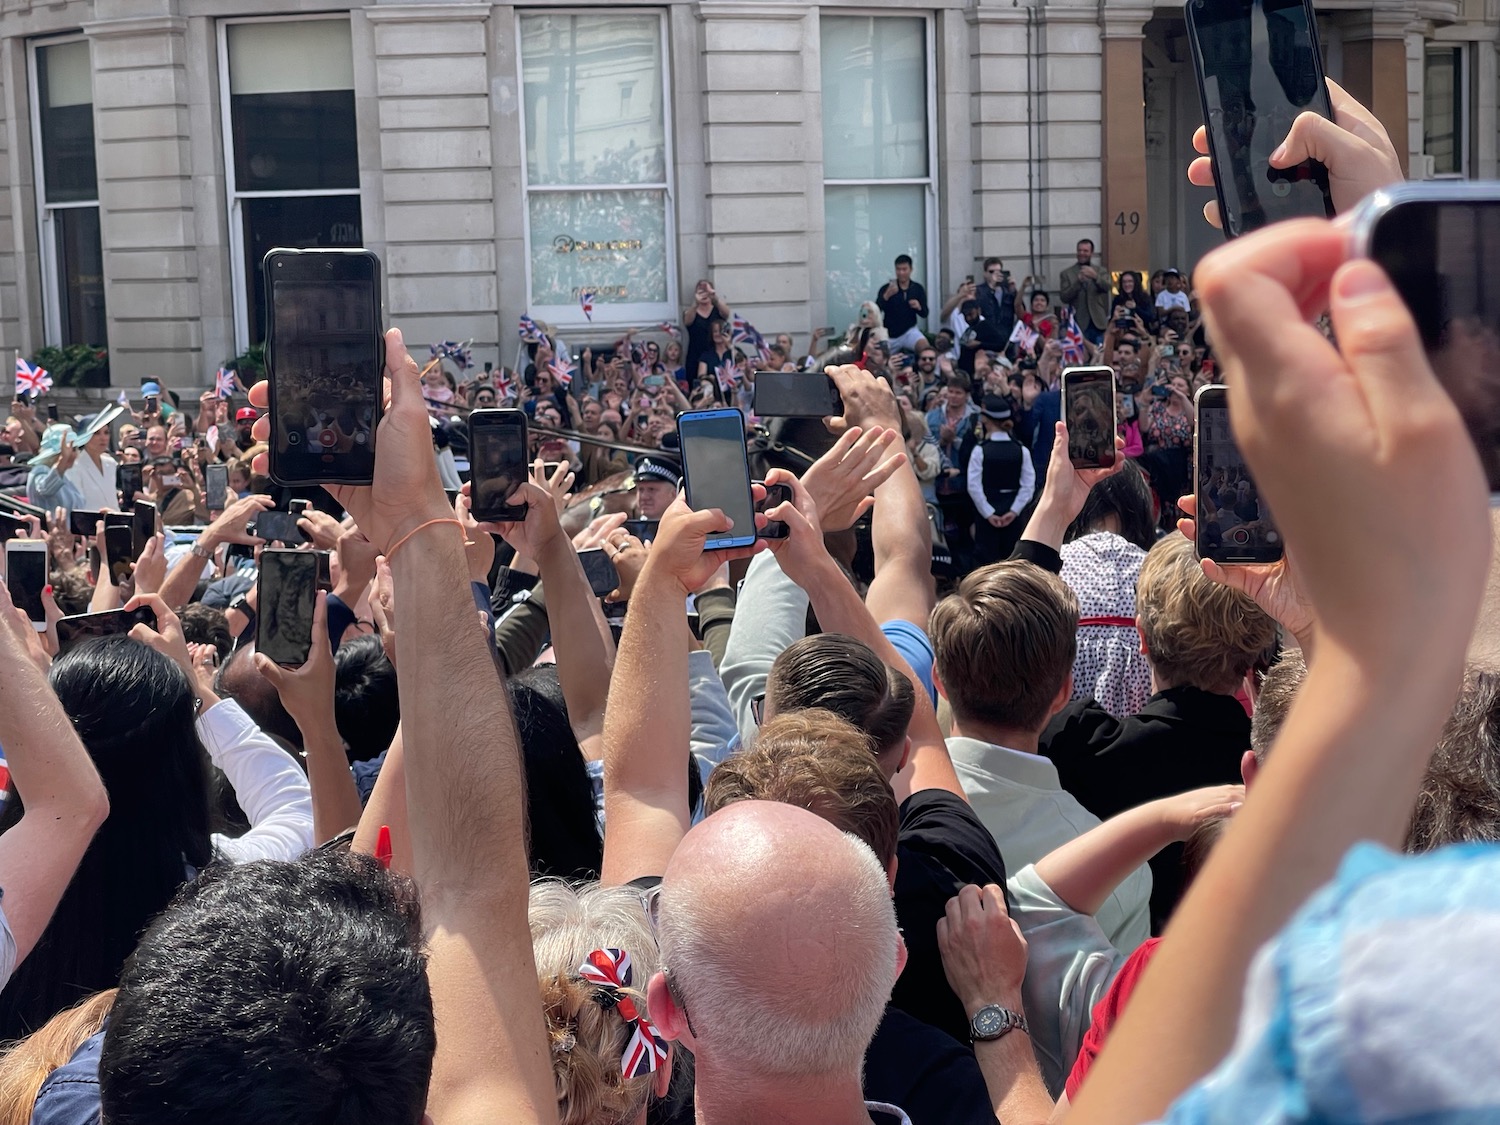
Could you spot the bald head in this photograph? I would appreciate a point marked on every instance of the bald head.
(781, 940)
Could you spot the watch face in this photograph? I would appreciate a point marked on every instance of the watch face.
(989, 1021)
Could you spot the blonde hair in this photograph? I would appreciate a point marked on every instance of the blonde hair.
(1196, 631)
(588, 1039)
(30, 1061)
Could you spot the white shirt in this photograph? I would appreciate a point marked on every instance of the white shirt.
(7, 951)
(269, 785)
(96, 482)
(976, 479)
(1166, 299)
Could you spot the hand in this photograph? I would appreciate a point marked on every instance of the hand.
(1089, 273)
(1068, 488)
(802, 551)
(890, 288)
(1353, 146)
(14, 618)
(678, 554)
(997, 520)
(1186, 811)
(321, 529)
(150, 570)
(557, 485)
(66, 457)
(984, 954)
(841, 483)
(233, 523)
(306, 692)
(167, 637)
(479, 545)
(205, 660)
(356, 556)
(539, 530)
(868, 401)
(629, 555)
(599, 531)
(383, 609)
(916, 304)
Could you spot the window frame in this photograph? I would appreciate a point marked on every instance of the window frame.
(932, 241)
(1462, 103)
(47, 226)
(606, 314)
(233, 197)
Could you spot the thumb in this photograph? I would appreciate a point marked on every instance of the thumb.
(269, 669)
(401, 369)
(1380, 342)
(1315, 137)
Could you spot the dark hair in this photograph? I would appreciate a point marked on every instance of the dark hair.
(564, 834)
(240, 680)
(988, 262)
(276, 991)
(959, 380)
(1133, 275)
(72, 591)
(1090, 241)
(1125, 495)
(206, 625)
(366, 706)
(1042, 293)
(903, 259)
(843, 675)
(967, 305)
(133, 710)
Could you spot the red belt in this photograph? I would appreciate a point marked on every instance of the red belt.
(1116, 622)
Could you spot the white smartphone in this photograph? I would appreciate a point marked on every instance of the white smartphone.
(26, 576)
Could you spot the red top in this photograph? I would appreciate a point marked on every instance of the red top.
(1108, 1010)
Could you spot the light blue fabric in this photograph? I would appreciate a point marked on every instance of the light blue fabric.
(915, 649)
(7, 949)
(47, 488)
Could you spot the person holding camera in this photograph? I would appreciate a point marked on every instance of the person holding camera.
(997, 297)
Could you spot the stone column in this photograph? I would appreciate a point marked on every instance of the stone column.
(1126, 231)
(1375, 69)
(20, 262)
(1007, 169)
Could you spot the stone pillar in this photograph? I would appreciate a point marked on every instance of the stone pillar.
(20, 262)
(1126, 231)
(1375, 69)
(1007, 171)
(146, 209)
(432, 80)
(1072, 148)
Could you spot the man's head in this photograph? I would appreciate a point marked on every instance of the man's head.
(994, 272)
(275, 991)
(1085, 251)
(1173, 281)
(780, 944)
(1177, 321)
(1193, 630)
(244, 422)
(926, 362)
(1004, 644)
(156, 441)
(207, 625)
(366, 706)
(484, 398)
(656, 481)
(956, 392)
(970, 311)
(592, 413)
(842, 675)
(903, 268)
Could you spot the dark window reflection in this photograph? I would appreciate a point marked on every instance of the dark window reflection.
(294, 141)
(305, 222)
(67, 130)
(80, 267)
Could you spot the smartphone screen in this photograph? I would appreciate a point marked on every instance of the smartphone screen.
(644, 530)
(216, 485)
(118, 544)
(600, 571)
(12, 527)
(144, 512)
(1089, 407)
(497, 464)
(794, 394)
(716, 473)
(83, 523)
(128, 478)
(75, 630)
(52, 412)
(288, 592)
(1437, 254)
(26, 575)
(1258, 68)
(1233, 525)
(776, 495)
(325, 356)
(279, 527)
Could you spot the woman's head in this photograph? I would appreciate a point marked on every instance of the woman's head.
(559, 796)
(1179, 384)
(1130, 281)
(869, 315)
(26, 1065)
(673, 354)
(1158, 282)
(1120, 503)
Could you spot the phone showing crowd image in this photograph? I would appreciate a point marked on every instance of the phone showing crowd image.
(75, 630)
(279, 527)
(128, 480)
(84, 523)
(716, 473)
(1233, 524)
(215, 487)
(119, 545)
(776, 495)
(324, 359)
(26, 577)
(1088, 395)
(287, 593)
(1258, 67)
(795, 394)
(1435, 242)
(497, 464)
(600, 571)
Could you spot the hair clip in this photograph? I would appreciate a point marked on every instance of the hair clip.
(609, 971)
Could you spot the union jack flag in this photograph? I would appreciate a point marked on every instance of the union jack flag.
(1024, 336)
(610, 970)
(452, 349)
(224, 382)
(586, 302)
(561, 372)
(124, 399)
(729, 377)
(504, 387)
(671, 329)
(741, 331)
(531, 331)
(1075, 348)
(31, 380)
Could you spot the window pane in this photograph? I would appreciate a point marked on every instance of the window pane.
(593, 92)
(301, 223)
(66, 112)
(281, 56)
(866, 227)
(80, 275)
(611, 242)
(874, 98)
(1442, 111)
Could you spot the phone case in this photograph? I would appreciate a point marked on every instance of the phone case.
(684, 422)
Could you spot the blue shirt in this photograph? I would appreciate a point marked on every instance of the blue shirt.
(70, 1094)
(915, 649)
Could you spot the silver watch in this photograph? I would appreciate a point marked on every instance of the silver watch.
(992, 1022)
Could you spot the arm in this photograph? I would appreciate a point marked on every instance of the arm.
(922, 309)
(230, 527)
(1064, 492)
(714, 734)
(772, 615)
(1071, 285)
(716, 618)
(974, 480)
(1028, 483)
(274, 793)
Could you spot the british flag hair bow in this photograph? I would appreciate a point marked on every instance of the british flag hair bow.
(609, 970)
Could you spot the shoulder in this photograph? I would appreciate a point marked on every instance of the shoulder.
(942, 825)
(70, 1094)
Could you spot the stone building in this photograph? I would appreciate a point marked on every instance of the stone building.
(502, 159)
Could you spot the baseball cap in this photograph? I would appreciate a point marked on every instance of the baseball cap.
(148, 389)
(246, 414)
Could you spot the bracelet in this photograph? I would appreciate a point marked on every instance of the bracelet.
(389, 555)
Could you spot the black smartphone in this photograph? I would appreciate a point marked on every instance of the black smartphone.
(215, 487)
(287, 593)
(644, 530)
(12, 527)
(75, 630)
(325, 570)
(144, 512)
(279, 527)
(600, 571)
(1088, 395)
(1258, 68)
(152, 405)
(119, 545)
(324, 358)
(128, 480)
(22, 508)
(716, 474)
(26, 577)
(83, 523)
(497, 464)
(1434, 240)
(1234, 526)
(52, 412)
(795, 394)
(298, 508)
(776, 495)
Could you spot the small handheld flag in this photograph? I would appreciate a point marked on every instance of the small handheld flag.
(561, 372)
(1074, 347)
(31, 380)
(586, 302)
(224, 382)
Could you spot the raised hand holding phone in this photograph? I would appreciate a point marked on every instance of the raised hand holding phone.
(680, 552)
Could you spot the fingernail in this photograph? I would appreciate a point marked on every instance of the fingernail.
(47, 590)
(1360, 280)
(1279, 154)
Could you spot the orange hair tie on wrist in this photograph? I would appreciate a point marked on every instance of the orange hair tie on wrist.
(389, 555)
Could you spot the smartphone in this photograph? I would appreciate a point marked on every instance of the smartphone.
(1433, 239)
(497, 464)
(644, 530)
(215, 487)
(52, 412)
(26, 576)
(1088, 395)
(324, 358)
(654, 381)
(298, 508)
(325, 570)
(716, 473)
(287, 592)
(72, 631)
(1168, 351)
(128, 480)
(279, 527)
(795, 394)
(600, 571)
(22, 508)
(144, 512)
(119, 545)
(12, 527)
(153, 405)
(776, 495)
(1258, 68)
(83, 523)
(1234, 527)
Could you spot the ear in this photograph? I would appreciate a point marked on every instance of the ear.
(1249, 767)
(1064, 694)
(905, 755)
(937, 683)
(665, 1013)
(901, 953)
(661, 1081)
(1142, 634)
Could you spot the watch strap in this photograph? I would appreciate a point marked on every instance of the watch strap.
(993, 1022)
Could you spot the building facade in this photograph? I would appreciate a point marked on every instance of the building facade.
(503, 159)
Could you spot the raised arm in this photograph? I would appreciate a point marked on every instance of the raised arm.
(230, 527)
(1064, 493)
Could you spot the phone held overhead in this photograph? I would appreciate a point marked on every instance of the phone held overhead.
(1233, 524)
(497, 464)
(1088, 395)
(716, 473)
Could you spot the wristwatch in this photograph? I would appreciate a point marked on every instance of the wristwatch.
(993, 1022)
(197, 550)
(241, 604)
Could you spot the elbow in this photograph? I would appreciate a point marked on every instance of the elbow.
(93, 806)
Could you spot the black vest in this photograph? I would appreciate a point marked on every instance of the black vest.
(1002, 473)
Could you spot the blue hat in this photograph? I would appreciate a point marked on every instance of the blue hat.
(149, 389)
(52, 443)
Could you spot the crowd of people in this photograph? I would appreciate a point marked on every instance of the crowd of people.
(802, 831)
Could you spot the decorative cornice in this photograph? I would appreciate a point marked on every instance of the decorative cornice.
(750, 10)
(135, 26)
(444, 12)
